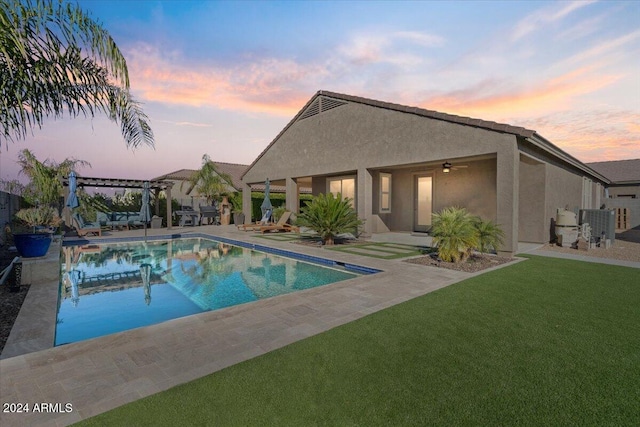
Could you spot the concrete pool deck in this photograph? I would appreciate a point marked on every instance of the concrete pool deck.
(100, 374)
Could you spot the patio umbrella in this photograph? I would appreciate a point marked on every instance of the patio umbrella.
(266, 203)
(145, 274)
(74, 279)
(72, 200)
(145, 213)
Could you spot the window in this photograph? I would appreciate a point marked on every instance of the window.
(385, 192)
(345, 186)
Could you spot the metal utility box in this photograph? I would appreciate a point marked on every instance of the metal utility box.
(600, 220)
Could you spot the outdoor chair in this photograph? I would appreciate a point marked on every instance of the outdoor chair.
(281, 225)
(256, 225)
(83, 228)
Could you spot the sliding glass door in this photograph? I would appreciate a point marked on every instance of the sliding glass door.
(423, 203)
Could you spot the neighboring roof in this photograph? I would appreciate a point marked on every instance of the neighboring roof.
(530, 135)
(619, 171)
(234, 170)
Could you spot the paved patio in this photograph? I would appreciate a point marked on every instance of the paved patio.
(100, 374)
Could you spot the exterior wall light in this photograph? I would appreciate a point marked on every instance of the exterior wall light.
(446, 167)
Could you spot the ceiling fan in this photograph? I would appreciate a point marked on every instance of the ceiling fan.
(448, 167)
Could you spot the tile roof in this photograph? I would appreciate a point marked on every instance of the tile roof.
(235, 171)
(619, 171)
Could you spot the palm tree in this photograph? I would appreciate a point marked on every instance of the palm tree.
(209, 182)
(45, 186)
(56, 60)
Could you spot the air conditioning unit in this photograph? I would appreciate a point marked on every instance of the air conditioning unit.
(601, 221)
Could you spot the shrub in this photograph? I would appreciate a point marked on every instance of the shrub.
(490, 236)
(329, 216)
(42, 216)
(453, 234)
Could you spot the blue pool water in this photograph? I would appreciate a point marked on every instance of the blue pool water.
(115, 287)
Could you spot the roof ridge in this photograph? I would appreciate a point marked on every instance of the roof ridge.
(228, 163)
(612, 161)
(420, 111)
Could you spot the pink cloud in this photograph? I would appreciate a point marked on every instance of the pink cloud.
(556, 94)
(594, 135)
(541, 17)
(263, 86)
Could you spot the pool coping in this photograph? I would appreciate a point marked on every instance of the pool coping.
(102, 373)
(285, 253)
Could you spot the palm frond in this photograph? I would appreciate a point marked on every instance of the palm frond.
(55, 60)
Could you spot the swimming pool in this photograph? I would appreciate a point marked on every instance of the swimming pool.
(113, 287)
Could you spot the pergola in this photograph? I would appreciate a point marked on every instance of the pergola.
(155, 185)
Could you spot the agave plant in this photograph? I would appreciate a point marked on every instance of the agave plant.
(453, 234)
(329, 216)
(490, 236)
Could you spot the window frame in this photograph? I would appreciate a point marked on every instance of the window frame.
(381, 192)
(342, 178)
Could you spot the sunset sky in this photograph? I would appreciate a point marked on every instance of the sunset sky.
(223, 78)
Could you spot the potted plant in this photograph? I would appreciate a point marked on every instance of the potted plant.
(42, 222)
(236, 208)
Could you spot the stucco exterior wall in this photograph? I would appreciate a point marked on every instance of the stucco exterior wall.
(624, 190)
(564, 190)
(531, 222)
(356, 136)
(474, 187)
(365, 139)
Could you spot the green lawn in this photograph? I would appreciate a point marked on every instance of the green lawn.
(378, 250)
(545, 342)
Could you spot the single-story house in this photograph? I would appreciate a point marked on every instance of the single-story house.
(623, 194)
(400, 164)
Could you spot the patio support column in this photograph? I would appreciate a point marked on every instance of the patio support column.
(508, 188)
(246, 203)
(169, 213)
(156, 194)
(364, 195)
(293, 195)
